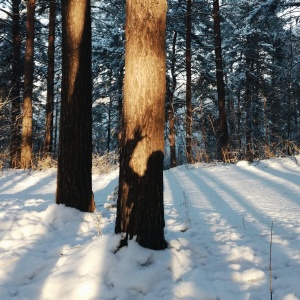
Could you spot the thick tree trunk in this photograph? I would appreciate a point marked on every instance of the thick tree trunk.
(26, 148)
(140, 210)
(188, 65)
(15, 142)
(74, 178)
(48, 140)
(223, 130)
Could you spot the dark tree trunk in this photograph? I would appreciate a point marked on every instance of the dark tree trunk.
(109, 125)
(171, 112)
(26, 147)
(15, 142)
(140, 210)
(110, 105)
(48, 140)
(248, 105)
(223, 130)
(188, 65)
(74, 180)
(239, 117)
(56, 126)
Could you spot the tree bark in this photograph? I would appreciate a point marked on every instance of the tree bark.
(26, 147)
(171, 113)
(188, 65)
(15, 142)
(74, 178)
(48, 140)
(248, 105)
(140, 210)
(109, 116)
(223, 130)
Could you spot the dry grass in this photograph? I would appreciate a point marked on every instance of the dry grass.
(42, 162)
(260, 151)
(101, 164)
(105, 163)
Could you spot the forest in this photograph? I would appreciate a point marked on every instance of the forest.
(259, 56)
(193, 108)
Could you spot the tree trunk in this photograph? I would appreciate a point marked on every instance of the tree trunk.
(26, 148)
(74, 180)
(56, 126)
(223, 130)
(188, 57)
(120, 105)
(171, 113)
(140, 210)
(248, 104)
(48, 141)
(15, 142)
(109, 125)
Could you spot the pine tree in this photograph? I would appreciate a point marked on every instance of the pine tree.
(140, 210)
(223, 131)
(15, 140)
(26, 147)
(74, 178)
(48, 140)
(188, 94)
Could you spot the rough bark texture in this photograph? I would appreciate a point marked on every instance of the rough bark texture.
(74, 180)
(223, 130)
(15, 142)
(48, 141)
(188, 58)
(26, 147)
(140, 210)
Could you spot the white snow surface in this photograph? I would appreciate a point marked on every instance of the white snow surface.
(218, 228)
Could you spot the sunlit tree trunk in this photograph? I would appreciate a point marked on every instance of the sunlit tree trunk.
(140, 210)
(188, 65)
(48, 141)
(15, 142)
(74, 180)
(26, 147)
(223, 130)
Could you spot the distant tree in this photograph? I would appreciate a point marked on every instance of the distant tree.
(223, 131)
(188, 95)
(108, 73)
(15, 141)
(170, 105)
(74, 178)
(26, 147)
(48, 140)
(140, 208)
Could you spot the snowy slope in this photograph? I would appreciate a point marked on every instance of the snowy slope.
(218, 226)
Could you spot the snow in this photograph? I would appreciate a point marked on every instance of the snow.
(218, 227)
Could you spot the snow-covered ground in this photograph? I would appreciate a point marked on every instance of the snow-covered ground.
(218, 226)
